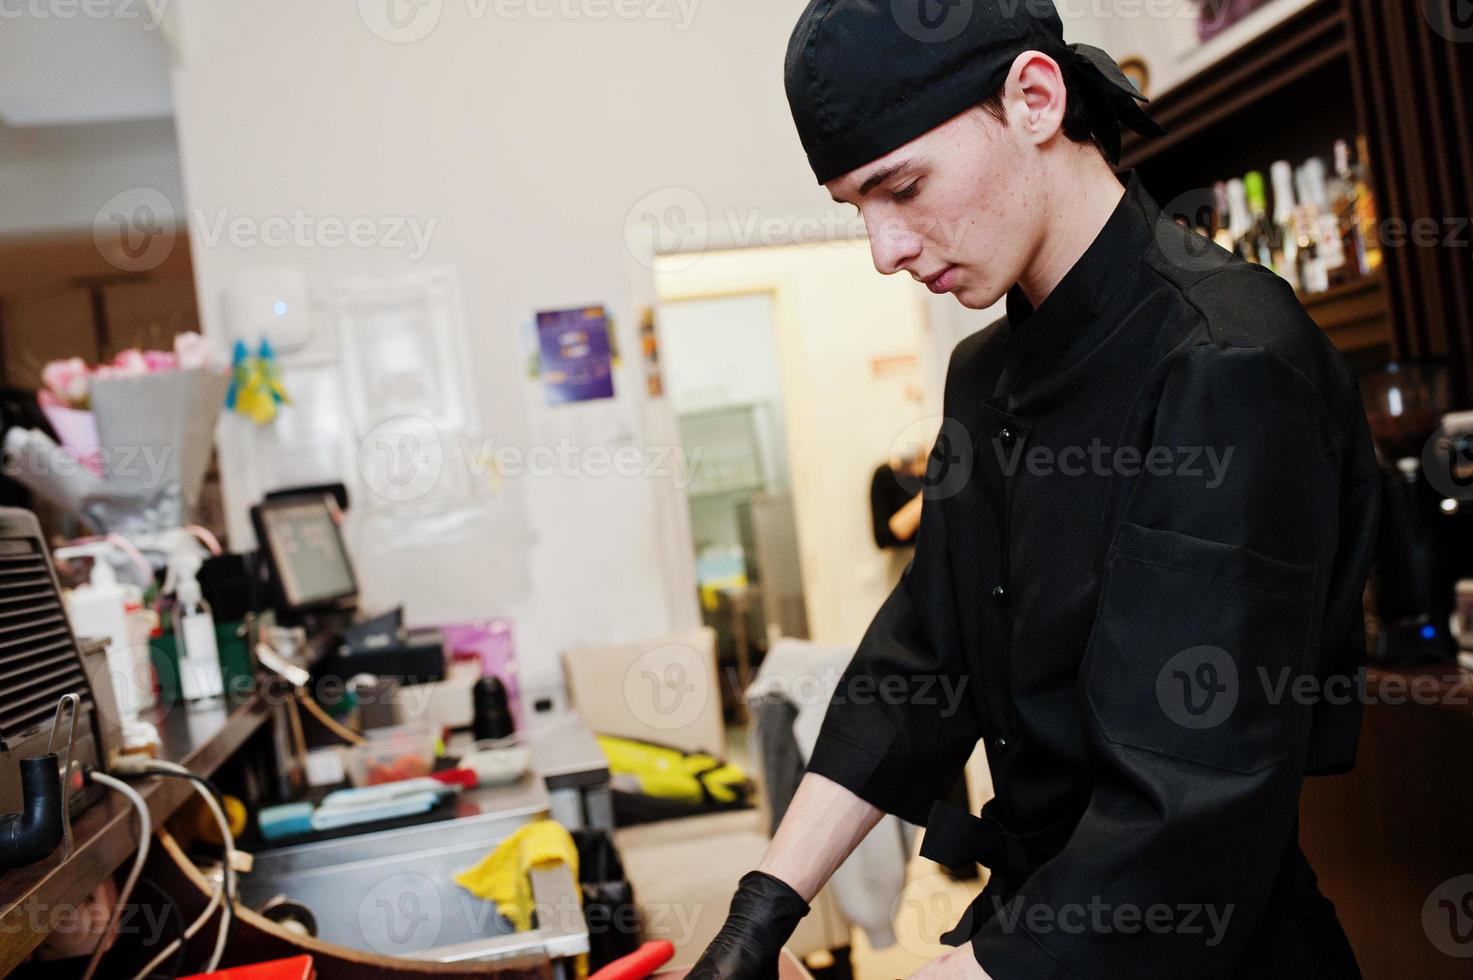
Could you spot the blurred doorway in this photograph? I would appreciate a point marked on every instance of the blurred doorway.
(792, 371)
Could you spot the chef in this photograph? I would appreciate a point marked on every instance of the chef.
(1147, 522)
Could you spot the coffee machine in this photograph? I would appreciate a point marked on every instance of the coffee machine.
(1425, 542)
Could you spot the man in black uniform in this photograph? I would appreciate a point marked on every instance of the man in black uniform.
(1147, 525)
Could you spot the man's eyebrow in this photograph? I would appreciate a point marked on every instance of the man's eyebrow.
(879, 177)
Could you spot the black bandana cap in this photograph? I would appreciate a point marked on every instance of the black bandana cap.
(864, 77)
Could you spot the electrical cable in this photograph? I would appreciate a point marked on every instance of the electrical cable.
(226, 891)
(328, 721)
(211, 543)
(145, 833)
(176, 967)
(212, 797)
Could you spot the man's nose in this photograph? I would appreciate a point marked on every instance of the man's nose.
(891, 244)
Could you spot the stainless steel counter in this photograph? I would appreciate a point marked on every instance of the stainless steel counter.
(393, 892)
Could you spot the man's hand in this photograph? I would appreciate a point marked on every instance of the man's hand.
(764, 912)
(959, 964)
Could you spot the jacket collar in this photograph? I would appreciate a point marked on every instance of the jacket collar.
(1037, 338)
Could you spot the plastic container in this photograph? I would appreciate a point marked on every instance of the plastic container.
(200, 677)
(99, 609)
(391, 754)
(490, 641)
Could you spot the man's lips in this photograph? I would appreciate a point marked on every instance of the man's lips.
(942, 281)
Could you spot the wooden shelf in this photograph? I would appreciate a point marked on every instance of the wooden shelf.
(106, 833)
(1267, 69)
(1335, 70)
(1288, 94)
(1354, 314)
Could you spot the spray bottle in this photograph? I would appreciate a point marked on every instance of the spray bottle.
(200, 678)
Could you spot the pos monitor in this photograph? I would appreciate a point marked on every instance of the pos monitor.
(302, 540)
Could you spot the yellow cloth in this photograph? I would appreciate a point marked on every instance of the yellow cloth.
(672, 773)
(503, 876)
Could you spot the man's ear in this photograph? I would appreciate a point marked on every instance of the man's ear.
(1034, 95)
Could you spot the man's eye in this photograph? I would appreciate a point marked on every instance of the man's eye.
(907, 192)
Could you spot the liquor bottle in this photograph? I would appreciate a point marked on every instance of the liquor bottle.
(1285, 240)
(1347, 215)
(1260, 231)
(1223, 234)
(1329, 246)
(1240, 222)
(1312, 277)
(1365, 205)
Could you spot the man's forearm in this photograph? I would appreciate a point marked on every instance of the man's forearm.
(822, 825)
(903, 522)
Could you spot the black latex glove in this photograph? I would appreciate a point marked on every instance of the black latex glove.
(764, 912)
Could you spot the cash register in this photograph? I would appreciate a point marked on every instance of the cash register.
(312, 583)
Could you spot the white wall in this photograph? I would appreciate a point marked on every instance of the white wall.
(1163, 33)
(56, 178)
(528, 143)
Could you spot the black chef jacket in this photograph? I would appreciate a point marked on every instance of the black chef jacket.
(1148, 523)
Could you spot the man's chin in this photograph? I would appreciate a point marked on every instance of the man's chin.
(974, 299)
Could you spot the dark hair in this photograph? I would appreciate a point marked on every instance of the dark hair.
(1078, 127)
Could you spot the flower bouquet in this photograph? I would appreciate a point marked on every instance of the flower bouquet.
(135, 436)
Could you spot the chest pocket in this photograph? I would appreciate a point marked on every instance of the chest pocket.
(1195, 649)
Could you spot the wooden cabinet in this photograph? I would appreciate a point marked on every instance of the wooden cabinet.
(1398, 71)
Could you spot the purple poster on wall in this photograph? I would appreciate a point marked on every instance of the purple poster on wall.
(576, 362)
(1218, 15)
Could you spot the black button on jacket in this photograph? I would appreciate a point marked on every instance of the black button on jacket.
(1148, 521)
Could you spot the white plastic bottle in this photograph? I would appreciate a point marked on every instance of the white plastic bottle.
(200, 678)
(100, 609)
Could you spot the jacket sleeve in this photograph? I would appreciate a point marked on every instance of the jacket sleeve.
(1211, 601)
(902, 722)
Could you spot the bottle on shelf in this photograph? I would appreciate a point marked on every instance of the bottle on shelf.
(1329, 245)
(1323, 228)
(200, 677)
(1222, 233)
(1365, 205)
(1240, 222)
(1285, 241)
(1343, 199)
(1260, 230)
(1312, 278)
